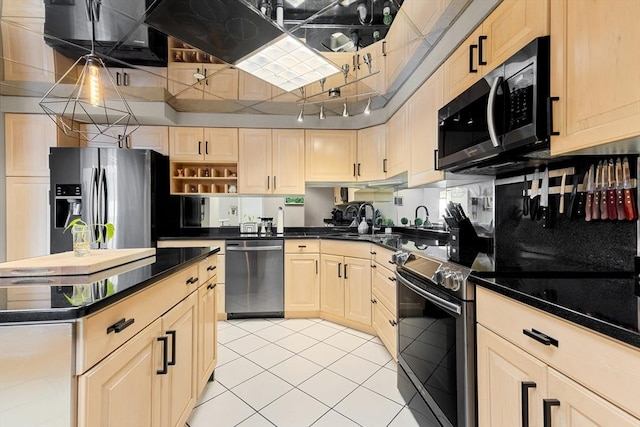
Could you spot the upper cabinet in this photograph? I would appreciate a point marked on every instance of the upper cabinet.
(271, 161)
(202, 81)
(397, 145)
(145, 137)
(28, 138)
(251, 88)
(330, 155)
(207, 144)
(372, 144)
(423, 133)
(377, 82)
(595, 58)
(512, 25)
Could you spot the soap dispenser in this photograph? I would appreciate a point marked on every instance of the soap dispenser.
(363, 227)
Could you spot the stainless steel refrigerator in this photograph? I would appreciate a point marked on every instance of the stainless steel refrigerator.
(129, 188)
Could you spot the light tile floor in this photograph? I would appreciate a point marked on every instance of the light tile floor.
(299, 373)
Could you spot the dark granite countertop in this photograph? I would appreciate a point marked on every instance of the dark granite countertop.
(606, 303)
(55, 298)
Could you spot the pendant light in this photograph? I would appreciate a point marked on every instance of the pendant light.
(86, 103)
(367, 108)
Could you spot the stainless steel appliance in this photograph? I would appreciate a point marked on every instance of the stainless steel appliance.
(502, 122)
(119, 31)
(436, 342)
(254, 278)
(128, 188)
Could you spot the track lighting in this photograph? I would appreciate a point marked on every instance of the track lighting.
(301, 115)
(367, 108)
(322, 114)
(386, 12)
(367, 60)
(345, 110)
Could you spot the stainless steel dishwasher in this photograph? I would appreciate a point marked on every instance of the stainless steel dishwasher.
(254, 278)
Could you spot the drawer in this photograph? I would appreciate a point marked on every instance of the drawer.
(384, 323)
(96, 339)
(207, 268)
(350, 249)
(604, 365)
(301, 246)
(382, 256)
(384, 286)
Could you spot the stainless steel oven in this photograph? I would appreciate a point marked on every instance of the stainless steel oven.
(436, 342)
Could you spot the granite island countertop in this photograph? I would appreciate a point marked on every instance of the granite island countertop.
(57, 298)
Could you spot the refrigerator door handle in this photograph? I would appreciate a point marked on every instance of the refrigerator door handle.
(101, 215)
(93, 213)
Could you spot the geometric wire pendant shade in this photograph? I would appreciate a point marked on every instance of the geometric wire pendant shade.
(86, 103)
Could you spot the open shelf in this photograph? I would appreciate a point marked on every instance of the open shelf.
(189, 178)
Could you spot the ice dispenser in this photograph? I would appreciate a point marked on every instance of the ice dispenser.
(68, 204)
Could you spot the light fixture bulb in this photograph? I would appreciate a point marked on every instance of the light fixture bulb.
(95, 88)
(386, 12)
(367, 108)
(345, 110)
(322, 114)
(301, 115)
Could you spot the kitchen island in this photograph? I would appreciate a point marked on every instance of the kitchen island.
(132, 345)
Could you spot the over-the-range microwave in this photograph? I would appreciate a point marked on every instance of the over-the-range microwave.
(503, 121)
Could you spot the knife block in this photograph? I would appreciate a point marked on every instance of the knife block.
(464, 243)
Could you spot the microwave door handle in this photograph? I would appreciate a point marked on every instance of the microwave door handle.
(490, 113)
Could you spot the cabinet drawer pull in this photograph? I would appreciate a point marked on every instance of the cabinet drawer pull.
(211, 286)
(550, 102)
(546, 410)
(316, 266)
(354, 169)
(211, 268)
(165, 355)
(191, 280)
(540, 337)
(384, 165)
(481, 39)
(125, 79)
(392, 323)
(206, 147)
(373, 266)
(372, 253)
(345, 271)
(391, 262)
(524, 388)
(339, 268)
(471, 49)
(393, 279)
(274, 182)
(120, 325)
(302, 246)
(373, 301)
(359, 169)
(118, 79)
(199, 147)
(172, 362)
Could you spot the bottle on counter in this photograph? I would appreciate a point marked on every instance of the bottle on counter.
(280, 223)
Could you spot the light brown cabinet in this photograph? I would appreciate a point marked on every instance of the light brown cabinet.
(144, 137)
(302, 278)
(594, 73)
(423, 133)
(106, 392)
(207, 144)
(383, 299)
(251, 88)
(26, 56)
(138, 77)
(202, 81)
(597, 384)
(512, 25)
(28, 218)
(330, 155)
(345, 283)
(271, 161)
(377, 82)
(207, 321)
(371, 152)
(397, 142)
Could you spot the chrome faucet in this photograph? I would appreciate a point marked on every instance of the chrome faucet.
(363, 209)
(426, 221)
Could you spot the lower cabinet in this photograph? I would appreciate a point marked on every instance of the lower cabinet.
(154, 378)
(345, 283)
(523, 382)
(385, 325)
(207, 332)
(301, 284)
(383, 300)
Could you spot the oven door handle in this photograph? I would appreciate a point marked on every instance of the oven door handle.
(442, 303)
(490, 112)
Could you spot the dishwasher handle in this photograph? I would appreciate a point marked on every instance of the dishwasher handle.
(253, 248)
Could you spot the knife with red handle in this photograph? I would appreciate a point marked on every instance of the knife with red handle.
(619, 191)
(601, 190)
(590, 190)
(611, 192)
(629, 202)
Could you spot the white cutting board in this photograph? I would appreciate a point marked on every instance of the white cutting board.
(66, 263)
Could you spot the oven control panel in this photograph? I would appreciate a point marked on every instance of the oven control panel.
(449, 278)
